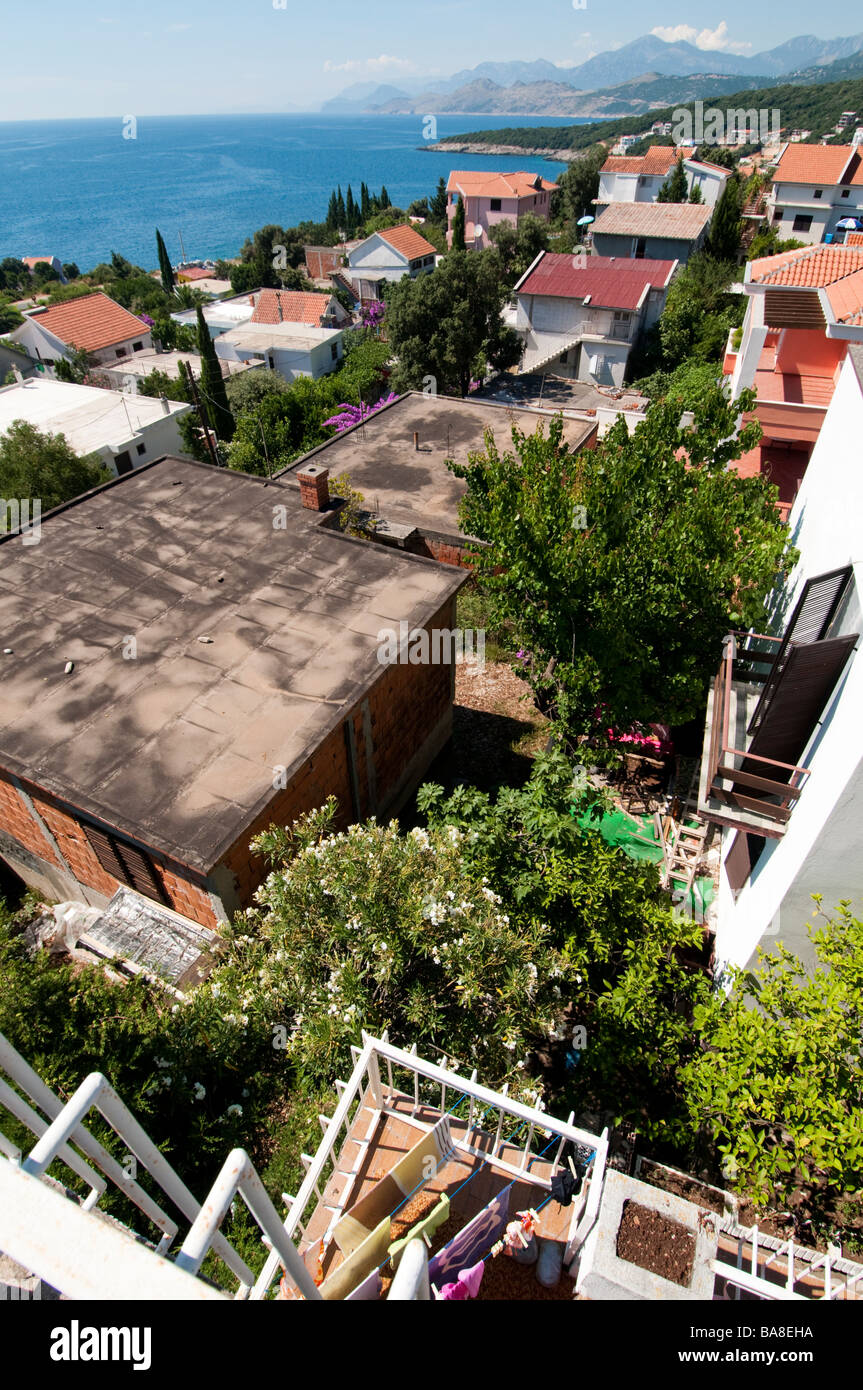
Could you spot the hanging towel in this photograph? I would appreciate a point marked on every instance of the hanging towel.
(563, 1187)
(466, 1286)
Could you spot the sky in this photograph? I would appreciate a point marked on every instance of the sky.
(158, 57)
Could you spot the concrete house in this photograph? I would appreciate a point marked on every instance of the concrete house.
(581, 315)
(293, 333)
(93, 322)
(814, 188)
(490, 197)
(638, 178)
(55, 263)
(125, 431)
(787, 799)
(805, 308)
(388, 256)
(226, 674)
(657, 231)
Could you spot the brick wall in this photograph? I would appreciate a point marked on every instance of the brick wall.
(448, 552)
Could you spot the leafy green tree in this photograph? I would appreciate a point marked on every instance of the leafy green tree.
(246, 390)
(9, 316)
(165, 267)
(40, 465)
(212, 383)
(727, 225)
(622, 567)
(121, 269)
(71, 271)
(44, 272)
(779, 1086)
(448, 325)
(699, 311)
(14, 277)
(767, 242)
(458, 243)
(695, 194)
(577, 187)
(518, 247)
(188, 297)
(76, 367)
(675, 188)
(158, 383)
(438, 204)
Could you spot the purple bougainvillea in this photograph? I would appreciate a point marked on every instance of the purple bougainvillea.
(349, 415)
(373, 313)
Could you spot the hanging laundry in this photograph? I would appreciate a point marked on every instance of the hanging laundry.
(466, 1286)
(518, 1233)
(564, 1187)
(486, 1227)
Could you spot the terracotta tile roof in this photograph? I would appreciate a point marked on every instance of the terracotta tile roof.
(297, 306)
(407, 241)
(611, 282)
(658, 159)
(809, 267)
(678, 221)
(819, 164)
(846, 299)
(92, 322)
(195, 272)
(35, 260)
(854, 238)
(487, 183)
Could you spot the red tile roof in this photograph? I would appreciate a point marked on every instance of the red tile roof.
(854, 238)
(825, 164)
(611, 282)
(487, 183)
(92, 322)
(195, 272)
(658, 159)
(407, 241)
(297, 306)
(809, 267)
(35, 260)
(677, 221)
(846, 299)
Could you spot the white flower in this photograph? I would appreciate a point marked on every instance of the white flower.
(200, 1091)
(234, 1110)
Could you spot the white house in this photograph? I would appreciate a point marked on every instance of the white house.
(580, 315)
(788, 802)
(126, 431)
(389, 255)
(221, 315)
(55, 263)
(92, 322)
(291, 349)
(638, 178)
(814, 188)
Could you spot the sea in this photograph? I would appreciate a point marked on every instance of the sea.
(80, 189)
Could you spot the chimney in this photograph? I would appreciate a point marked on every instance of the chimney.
(314, 487)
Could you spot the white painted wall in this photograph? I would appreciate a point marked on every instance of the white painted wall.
(822, 848)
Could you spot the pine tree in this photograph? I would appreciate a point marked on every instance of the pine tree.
(385, 199)
(365, 201)
(212, 387)
(437, 206)
(675, 189)
(724, 241)
(458, 226)
(341, 212)
(165, 264)
(332, 213)
(695, 194)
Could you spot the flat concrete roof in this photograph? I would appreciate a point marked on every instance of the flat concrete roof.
(413, 487)
(260, 337)
(143, 363)
(252, 644)
(90, 417)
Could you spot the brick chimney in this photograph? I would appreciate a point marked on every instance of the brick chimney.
(314, 487)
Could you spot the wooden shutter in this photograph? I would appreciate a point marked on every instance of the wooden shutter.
(810, 622)
(809, 674)
(126, 863)
(742, 858)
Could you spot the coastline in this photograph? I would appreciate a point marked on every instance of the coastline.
(477, 147)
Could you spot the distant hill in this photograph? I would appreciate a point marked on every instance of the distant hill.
(813, 106)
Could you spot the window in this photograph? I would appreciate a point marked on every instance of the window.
(136, 347)
(494, 205)
(126, 863)
(802, 222)
(564, 358)
(141, 449)
(817, 193)
(119, 352)
(778, 215)
(123, 463)
(845, 192)
(271, 363)
(640, 248)
(334, 351)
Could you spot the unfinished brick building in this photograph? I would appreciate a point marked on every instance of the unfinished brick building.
(189, 655)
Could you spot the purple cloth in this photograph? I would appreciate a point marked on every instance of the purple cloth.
(473, 1242)
(466, 1285)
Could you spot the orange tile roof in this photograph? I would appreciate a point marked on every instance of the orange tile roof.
(846, 298)
(92, 322)
(809, 267)
(297, 306)
(658, 159)
(486, 183)
(35, 260)
(819, 164)
(407, 241)
(854, 238)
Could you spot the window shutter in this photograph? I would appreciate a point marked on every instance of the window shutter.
(804, 687)
(102, 846)
(126, 863)
(810, 622)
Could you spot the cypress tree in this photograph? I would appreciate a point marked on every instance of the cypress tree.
(351, 212)
(365, 201)
(385, 199)
(213, 392)
(675, 189)
(340, 209)
(724, 240)
(695, 194)
(458, 227)
(165, 264)
(332, 213)
(437, 206)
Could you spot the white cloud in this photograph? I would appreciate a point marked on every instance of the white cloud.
(708, 40)
(385, 63)
(178, 28)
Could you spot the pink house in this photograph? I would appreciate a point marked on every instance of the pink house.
(491, 197)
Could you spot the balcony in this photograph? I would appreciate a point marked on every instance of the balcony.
(739, 788)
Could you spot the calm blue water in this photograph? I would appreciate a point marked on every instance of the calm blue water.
(79, 190)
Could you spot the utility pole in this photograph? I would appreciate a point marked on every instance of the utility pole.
(187, 366)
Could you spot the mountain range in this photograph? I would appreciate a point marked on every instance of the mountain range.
(598, 86)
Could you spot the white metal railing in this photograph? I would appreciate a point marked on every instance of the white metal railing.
(443, 1088)
(801, 1262)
